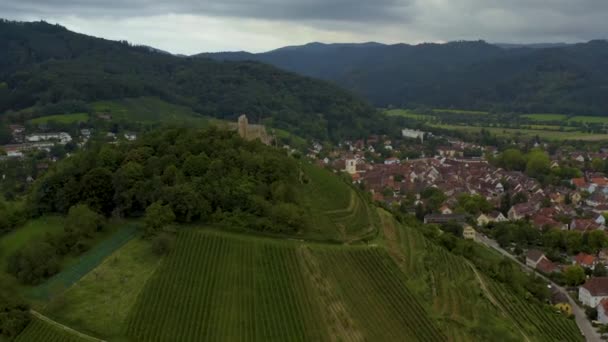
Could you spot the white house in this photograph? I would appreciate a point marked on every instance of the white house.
(392, 161)
(63, 137)
(412, 134)
(602, 311)
(351, 166)
(593, 291)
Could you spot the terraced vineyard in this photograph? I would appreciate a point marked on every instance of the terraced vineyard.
(39, 330)
(538, 322)
(217, 287)
(337, 210)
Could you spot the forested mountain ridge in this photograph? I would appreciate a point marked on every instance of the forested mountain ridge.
(469, 75)
(43, 64)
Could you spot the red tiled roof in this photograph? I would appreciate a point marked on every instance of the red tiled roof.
(597, 286)
(546, 266)
(600, 181)
(584, 259)
(579, 182)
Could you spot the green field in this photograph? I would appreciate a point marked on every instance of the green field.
(221, 287)
(99, 303)
(545, 117)
(149, 110)
(460, 111)
(408, 114)
(64, 119)
(33, 229)
(590, 119)
(549, 135)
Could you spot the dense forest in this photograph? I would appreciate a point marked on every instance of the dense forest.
(52, 68)
(569, 79)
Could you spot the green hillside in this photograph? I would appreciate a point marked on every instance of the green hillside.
(62, 72)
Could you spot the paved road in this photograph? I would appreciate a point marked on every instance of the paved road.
(583, 323)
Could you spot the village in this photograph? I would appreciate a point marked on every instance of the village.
(577, 207)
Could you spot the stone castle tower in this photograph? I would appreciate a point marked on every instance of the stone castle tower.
(242, 126)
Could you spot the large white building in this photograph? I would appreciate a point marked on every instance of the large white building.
(63, 137)
(593, 291)
(413, 134)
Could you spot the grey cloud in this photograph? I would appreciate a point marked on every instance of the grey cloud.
(331, 10)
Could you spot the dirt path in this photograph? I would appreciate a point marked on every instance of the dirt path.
(492, 299)
(63, 327)
(341, 325)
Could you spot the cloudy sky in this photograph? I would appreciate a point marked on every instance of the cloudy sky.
(192, 26)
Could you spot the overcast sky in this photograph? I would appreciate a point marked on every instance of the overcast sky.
(192, 26)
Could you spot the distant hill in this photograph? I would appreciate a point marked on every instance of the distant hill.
(47, 65)
(467, 75)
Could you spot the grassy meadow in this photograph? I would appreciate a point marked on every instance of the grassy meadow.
(64, 118)
(33, 229)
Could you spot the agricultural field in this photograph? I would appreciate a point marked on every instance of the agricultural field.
(469, 305)
(64, 118)
(100, 302)
(40, 329)
(460, 111)
(149, 110)
(221, 287)
(32, 230)
(546, 134)
(408, 114)
(539, 323)
(338, 212)
(545, 117)
(590, 119)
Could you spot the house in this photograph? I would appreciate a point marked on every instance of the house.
(561, 301)
(440, 218)
(351, 166)
(522, 210)
(546, 266)
(483, 219)
(63, 137)
(585, 260)
(130, 136)
(583, 224)
(602, 311)
(445, 210)
(576, 198)
(579, 183)
(542, 222)
(392, 161)
(495, 216)
(469, 233)
(593, 291)
(412, 134)
(596, 199)
(533, 257)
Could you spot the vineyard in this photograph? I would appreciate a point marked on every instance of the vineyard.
(539, 322)
(448, 284)
(217, 287)
(40, 330)
(337, 211)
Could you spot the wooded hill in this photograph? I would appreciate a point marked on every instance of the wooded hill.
(54, 69)
(569, 79)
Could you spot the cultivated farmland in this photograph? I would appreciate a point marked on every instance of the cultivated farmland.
(218, 287)
(43, 331)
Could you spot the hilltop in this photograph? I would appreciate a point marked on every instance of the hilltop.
(472, 75)
(56, 71)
